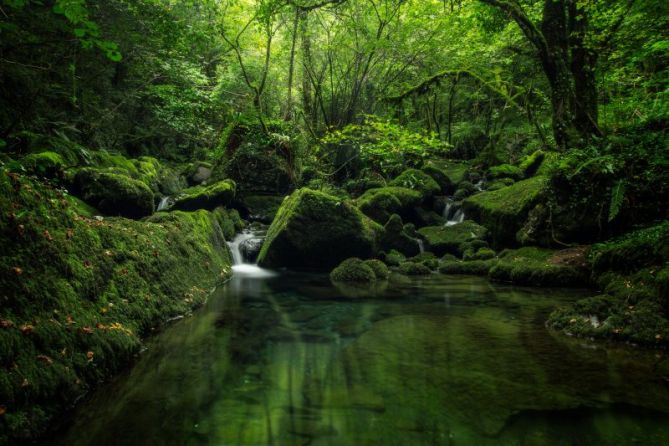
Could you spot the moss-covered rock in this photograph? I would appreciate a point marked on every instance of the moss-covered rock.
(505, 171)
(428, 259)
(393, 258)
(464, 190)
(258, 169)
(76, 315)
(440, 177)
(414, 269)
(353, 270)
(538, 267)
(482, 253)
(221, 193)
(316, 230)
(417, 180)
(469, 267)
(394, 237)
(44, 164)
(504, 211)
(114, 193)
(531, 164)
(379, 204)
(455, 170)
(380, 269)
(449, 239)
(499, 184)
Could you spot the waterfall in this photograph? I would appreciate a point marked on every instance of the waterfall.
(457, 217)
(421, 245)
(165, 202)
(247, 240)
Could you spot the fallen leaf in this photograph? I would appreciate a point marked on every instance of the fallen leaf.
(25, 382)
(69, 320)
(27, 328)
(47, 235)
(69, 233)
(45, 358)
(3, 410)
(90, 355)
(87, 330)
(21, 229)
(87, 263)
(18, 271)
(108, 253)
(6, 323)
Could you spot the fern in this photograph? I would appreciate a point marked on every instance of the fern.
(617, 198)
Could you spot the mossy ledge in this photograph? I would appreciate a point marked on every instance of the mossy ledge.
(77, 316)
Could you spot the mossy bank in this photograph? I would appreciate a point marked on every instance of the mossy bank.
(78, 294)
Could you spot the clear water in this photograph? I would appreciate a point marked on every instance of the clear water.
(292, 360)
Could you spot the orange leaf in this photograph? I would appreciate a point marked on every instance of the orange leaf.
(45, 358)
(90, 355)
(47, 235)
(3, 410)
(69, 233)
(6, 323)
(25, 382)
(87, 330)
(27, 328)
(18, 271)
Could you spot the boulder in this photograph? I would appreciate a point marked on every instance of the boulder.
(394, 237)
(262, 208)
(504, 211)
(380, 203)
(451, 239)
(114, 193)
(417, 180)
(44, 164)
(316, 230)
(438, 175)
(414, 269)
(201, 173)
(505, 171)
(250, 248)
(353, 270)
(206, 197)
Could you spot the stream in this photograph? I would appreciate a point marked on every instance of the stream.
(289, 359)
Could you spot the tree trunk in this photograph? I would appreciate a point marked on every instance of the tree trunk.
(288, 113)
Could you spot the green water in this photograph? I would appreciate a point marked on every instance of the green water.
(291, 360)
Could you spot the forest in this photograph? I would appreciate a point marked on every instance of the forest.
(334, 222)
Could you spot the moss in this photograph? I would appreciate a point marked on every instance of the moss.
(473, 267)
(440, 177)
(316, 230)
(229, 220)
(505, 210)
(114, 193)
(536, 267)
(379, 204)
(499, 184)
(505, 171)
(480, 254)
(380, 269)
(427, 259)
(77, 316)
(414, 269)
(394, 258)
(464, 190)
(417, 180)
(530, 164)
(80, 206)
(455, 170)
(44, 164)
(449, 239)
(210, 197)
(353, 270)
(395, 237)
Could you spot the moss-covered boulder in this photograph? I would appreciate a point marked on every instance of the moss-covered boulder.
(258, 168)
(354, 270)
(440, 177)
(505, 171)
(541, 267)
(78, 295)
(380, 269)
(380, 203)
(531, 164)
(44, 164)
(393, 258)
(209, 197)
(395, 237)
(504, 211)
(414, 269)
(316, 230)
(464, 190)
(450, 239)
(114, 193)
(426, 258)
(417, 180)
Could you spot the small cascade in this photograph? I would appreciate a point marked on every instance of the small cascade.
(421, 245)
(453, 214)
(480, 185)
(165, 202)
(244, 249)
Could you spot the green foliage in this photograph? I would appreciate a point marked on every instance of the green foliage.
(386, 147)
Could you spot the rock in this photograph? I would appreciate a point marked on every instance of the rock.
(201, 173)
(114, 193)
(353, 270)
(417, 180)
(450, 239)
(414, 269)
(394, 237)
(440, 177)
(464, 190)
(44, 164)
(504, 211)
(250, 248)
(380, 269)
(530, 164)
(316, 230)
(258, 169)
(505, 171)
(206, 197)
(380, 203)
(394, 258)
(533, 266)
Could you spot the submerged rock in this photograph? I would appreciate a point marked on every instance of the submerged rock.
(316, 230)
(250, 248)
(114, 193)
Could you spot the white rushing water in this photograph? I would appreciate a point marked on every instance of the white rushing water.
(239, 265)
(457, 217)
(165, 202)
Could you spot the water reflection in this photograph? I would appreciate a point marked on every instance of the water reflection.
(291, 360)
